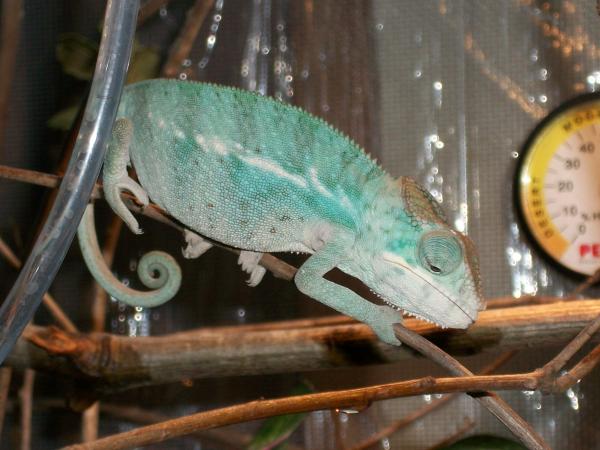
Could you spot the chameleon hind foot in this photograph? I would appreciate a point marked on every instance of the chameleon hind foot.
(249, 262)
(196, 245)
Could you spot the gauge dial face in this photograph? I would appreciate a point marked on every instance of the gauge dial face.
(559, 185)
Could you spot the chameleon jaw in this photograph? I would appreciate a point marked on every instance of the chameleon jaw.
(406, 312)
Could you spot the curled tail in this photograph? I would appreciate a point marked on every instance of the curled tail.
(157, 270)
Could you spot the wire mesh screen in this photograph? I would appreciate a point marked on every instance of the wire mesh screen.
(444, 91)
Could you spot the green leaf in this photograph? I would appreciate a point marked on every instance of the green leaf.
(275, 430)
(145, 64)
(63, 120)
(485, 442)
(77, 55)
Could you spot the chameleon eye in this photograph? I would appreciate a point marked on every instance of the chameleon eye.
(440, 252)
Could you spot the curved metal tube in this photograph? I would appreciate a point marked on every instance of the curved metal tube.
(75, 190)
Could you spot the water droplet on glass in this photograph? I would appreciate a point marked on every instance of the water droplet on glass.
(210, 41)
(379, 27)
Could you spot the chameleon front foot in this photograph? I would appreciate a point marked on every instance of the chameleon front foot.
(196, 245)
(383, 325)
(249, 262)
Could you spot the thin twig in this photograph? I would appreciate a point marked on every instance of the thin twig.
(221, 438)
(26, 400)
(404, 422)
(580, 370)
(549, 371)
(508, 302)
(51, 305)
(90, 419)
(427, 409)
(551, 368)
(183, 45)
(338, 438)
(519, 427)
(30, 176)
(5, 375)
(344, 399)
(10, 30)
(585, 285)
(148, 10)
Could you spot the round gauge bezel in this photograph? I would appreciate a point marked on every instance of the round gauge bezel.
(526, 148)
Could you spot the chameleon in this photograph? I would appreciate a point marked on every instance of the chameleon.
(261, 175)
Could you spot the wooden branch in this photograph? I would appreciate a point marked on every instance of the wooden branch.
(26, 401)
(5, 376)
(30, 176)
(183, 45)
(10, 30)
(343, 399)
(148, 10)
(118, 362)
(228, 439)
(419, 413)
(400, 424)
(498, 407)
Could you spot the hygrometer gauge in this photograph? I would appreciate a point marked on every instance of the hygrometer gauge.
(558, 185)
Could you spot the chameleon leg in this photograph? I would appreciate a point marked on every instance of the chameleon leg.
(249, 262)
(115, 177)
(310, 281)
(196, 245)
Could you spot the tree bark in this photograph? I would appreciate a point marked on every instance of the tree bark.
(113, 362)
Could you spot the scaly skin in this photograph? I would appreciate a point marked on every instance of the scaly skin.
(263, 176)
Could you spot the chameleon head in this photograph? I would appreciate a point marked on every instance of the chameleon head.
(422, 265)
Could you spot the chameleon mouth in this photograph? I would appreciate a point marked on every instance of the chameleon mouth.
(405, 312)
(399, 262)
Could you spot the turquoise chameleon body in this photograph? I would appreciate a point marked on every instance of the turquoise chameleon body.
(263, 176)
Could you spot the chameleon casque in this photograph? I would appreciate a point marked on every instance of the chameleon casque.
(263, 176)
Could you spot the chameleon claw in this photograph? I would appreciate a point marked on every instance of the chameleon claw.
(249, 262)
(196, 245)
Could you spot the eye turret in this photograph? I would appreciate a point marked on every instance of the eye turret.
(440, 252)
